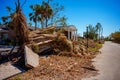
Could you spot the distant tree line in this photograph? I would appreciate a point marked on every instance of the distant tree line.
(95, 33)
(116, 36)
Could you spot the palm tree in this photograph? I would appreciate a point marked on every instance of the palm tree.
(4, 19)
(8, 18)
(47, 12)
(63, 21)
(18, 21)
(30, 24)
(20, 25)
(41, 17)
(35, 14)
(101, 33)
(99, 27)
(91, 32)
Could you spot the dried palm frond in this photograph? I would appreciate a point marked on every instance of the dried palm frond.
(20, 25)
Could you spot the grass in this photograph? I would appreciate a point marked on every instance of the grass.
(35, 48)
(96, 48)
(93, 49)
(100, 45)
(18, 78)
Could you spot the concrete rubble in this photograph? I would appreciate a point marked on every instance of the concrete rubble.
(31, 58)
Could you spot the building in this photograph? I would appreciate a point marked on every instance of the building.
(6, 34)
(70, 32)
(3, 34)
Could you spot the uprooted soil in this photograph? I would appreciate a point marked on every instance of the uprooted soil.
(56, 67)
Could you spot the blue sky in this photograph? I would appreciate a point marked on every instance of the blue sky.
(81, 13)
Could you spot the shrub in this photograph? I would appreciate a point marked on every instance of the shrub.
(49, 30)
(18, 78)
(62, 44)
(35, 48)
(99, 45)
(116, 36)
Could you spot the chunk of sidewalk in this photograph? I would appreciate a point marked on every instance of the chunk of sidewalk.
(31, 58)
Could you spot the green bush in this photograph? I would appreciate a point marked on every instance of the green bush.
(116, 37)
(18, 78)
(35, 48)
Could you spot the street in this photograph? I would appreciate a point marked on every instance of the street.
(108, 62)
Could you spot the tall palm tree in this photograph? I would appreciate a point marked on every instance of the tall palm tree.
(63, 21)
(99, 27)
(8, 18)
(101, 33)
(30, 24)
(47, 12)
(91, 32)
(41, 17)
(35, 14)
(4, 19)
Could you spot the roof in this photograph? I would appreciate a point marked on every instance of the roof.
(3, 28)
(70, 27)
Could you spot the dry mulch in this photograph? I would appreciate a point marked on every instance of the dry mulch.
(59, 68)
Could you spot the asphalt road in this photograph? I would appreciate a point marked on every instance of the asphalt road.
(108, 62)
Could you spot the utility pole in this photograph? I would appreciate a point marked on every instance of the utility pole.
(87, 35)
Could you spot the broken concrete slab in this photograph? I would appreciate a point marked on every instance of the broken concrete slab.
(7, 69)
(31, 58)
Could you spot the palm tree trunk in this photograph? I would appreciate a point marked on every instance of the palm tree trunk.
(46, 22)
(52, 20)
(99, 35)
(42, 24)
(35, 25)
(20, 27)
(35, 22)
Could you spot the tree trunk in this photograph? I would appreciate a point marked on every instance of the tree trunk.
(35, 25)
(46, 22)
(35, 22)
(20, 25)
(42, 24)
(52, 21)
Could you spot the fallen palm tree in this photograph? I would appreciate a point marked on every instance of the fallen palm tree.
(20, 25)
(21, 30)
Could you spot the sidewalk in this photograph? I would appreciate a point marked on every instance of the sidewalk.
(7, 70)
